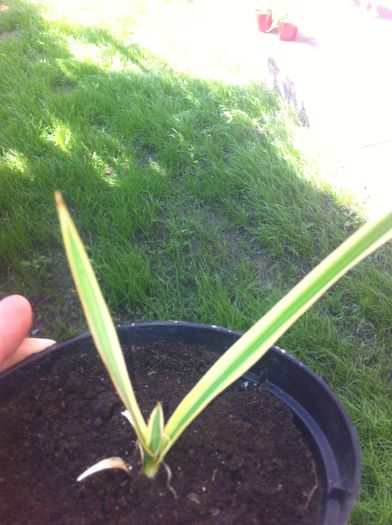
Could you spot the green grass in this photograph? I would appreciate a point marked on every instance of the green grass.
(194, 205)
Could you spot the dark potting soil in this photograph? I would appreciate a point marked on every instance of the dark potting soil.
(242, 461)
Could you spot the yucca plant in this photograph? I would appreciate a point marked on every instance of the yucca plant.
(155, 438)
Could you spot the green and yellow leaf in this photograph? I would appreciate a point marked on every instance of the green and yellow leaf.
(155, 429)
(98, 319)
(155, 440)
(256, 341)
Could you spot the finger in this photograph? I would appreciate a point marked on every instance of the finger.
(28, 347)
(15, 322)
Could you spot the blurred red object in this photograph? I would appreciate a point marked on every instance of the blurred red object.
(288, 31)
(264, 21)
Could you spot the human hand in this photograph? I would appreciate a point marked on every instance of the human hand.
(16, 318)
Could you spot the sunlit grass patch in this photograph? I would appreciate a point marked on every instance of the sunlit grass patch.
(15, 161)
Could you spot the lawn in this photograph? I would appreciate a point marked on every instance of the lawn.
(192, 199)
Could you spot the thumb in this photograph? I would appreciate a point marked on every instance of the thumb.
(29, 346)
(15, 322)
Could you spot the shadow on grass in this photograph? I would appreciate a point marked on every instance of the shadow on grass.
(166, 175)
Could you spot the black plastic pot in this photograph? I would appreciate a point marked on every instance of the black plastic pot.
(318, 411)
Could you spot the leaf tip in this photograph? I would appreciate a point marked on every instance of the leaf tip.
(109, 463)
(59, 199)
